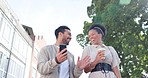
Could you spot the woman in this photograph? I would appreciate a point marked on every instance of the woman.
(104, 59)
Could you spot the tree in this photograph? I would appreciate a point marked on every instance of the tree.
(127, 32)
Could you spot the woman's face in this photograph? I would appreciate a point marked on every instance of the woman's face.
(94, 37)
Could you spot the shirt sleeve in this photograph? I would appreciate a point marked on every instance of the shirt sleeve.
(75, 72)
(116, 60)
(85, 52)
(46, 64)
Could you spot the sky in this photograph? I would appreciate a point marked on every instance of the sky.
(44, 16)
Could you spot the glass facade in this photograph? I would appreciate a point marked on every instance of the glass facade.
(4, 56)
(16, 68)
(20, 46)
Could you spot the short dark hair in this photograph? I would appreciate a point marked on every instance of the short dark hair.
(60, 29)
(99, 28)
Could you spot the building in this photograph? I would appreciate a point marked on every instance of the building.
(38, 44)
(18, 50)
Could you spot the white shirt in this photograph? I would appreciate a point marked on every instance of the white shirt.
(64, 69)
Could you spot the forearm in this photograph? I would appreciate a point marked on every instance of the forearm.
(117, 72)
(77, 72)
(90, 66)
(87, 69)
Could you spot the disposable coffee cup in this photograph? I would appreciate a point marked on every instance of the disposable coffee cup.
(102, 49)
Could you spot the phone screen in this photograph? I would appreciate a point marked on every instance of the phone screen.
(62, 46)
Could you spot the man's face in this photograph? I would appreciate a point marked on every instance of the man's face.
(66, 36)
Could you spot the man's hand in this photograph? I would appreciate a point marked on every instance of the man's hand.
(61, 56)
(81, 64)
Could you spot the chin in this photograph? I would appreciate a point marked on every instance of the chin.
(93, 43)
(67, 43)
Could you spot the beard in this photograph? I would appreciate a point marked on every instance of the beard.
(66, 42)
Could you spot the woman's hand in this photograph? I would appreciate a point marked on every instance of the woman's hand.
(100, 56)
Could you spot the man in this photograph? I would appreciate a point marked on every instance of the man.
(53, 63)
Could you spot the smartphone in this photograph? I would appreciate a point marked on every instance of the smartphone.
(62, 46)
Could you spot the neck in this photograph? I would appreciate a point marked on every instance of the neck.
(99, 43)
(58, 43)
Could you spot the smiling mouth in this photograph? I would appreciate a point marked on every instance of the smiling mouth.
(92, 40)
(68, 39)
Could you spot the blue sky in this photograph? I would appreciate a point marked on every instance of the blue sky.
(44, 16)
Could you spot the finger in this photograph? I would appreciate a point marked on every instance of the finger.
(59, 50)
(78, 59)
(100, 52)
(58, 54)
(65, 58)
(64, 54)
(87, 59)
(63, 51)
(84, 59)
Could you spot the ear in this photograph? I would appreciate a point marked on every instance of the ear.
(60, 34)
(100, 35)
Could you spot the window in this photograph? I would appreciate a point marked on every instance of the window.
(16, 41)
(0, 19)
(23, 47)
(6, 33)
(20, 46)
(16, 68)
(0, 57)
(4, 55)
(4, 63)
